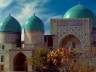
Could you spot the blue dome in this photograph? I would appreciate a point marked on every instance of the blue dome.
(79, 11)
(10, 24)
(34, 23)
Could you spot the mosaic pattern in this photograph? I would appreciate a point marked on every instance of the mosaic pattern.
(9, 38)
(80, 30)
(63, 31)
(71, 23)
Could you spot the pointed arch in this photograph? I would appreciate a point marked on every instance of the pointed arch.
(19, 63)
(70, 41)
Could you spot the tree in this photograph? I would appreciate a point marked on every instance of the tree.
(61, 57)
(80, 67)
(39, 58)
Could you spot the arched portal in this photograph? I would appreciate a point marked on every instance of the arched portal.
(70, 41)
(19, 63)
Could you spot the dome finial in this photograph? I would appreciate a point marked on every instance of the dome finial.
(34, 14)
(9, 14)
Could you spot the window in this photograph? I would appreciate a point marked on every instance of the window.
(50, 41)
(2, 58)
(1, 68)
(73, 45)
(2, 47)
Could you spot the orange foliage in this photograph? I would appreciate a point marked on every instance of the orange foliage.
(80, 67)
(61, 56)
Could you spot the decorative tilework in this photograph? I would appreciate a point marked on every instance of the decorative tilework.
(71, 23)
(62, 31)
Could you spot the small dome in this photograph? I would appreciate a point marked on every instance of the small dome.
(79, 11)
(34, 23)
(10, 24)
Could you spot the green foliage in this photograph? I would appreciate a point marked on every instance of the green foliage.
(39, 56)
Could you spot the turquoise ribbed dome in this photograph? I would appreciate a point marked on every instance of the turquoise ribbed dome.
(34, 23)
(79, 11)
(10, 24)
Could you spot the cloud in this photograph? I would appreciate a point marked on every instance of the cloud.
(28, 9)
(4, 3)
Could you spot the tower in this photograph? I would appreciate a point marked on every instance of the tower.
(34, 32)
(10, 32)
(10, 37)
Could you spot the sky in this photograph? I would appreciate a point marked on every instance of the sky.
(44, 9)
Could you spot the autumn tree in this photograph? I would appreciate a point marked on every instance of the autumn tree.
(80, 67)
(61, 58)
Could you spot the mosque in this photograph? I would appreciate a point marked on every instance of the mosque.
(77, 29)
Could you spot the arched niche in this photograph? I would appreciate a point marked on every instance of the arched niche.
(70, 41)
(19, 63)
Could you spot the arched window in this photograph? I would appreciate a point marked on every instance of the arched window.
(50, 41)
(2, 47)
(73, 44)
(19, 63)
(2, 58)
(70, 41)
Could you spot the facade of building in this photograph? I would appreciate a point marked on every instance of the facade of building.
(77, 29)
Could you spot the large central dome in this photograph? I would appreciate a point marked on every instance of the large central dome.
(79, 11)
